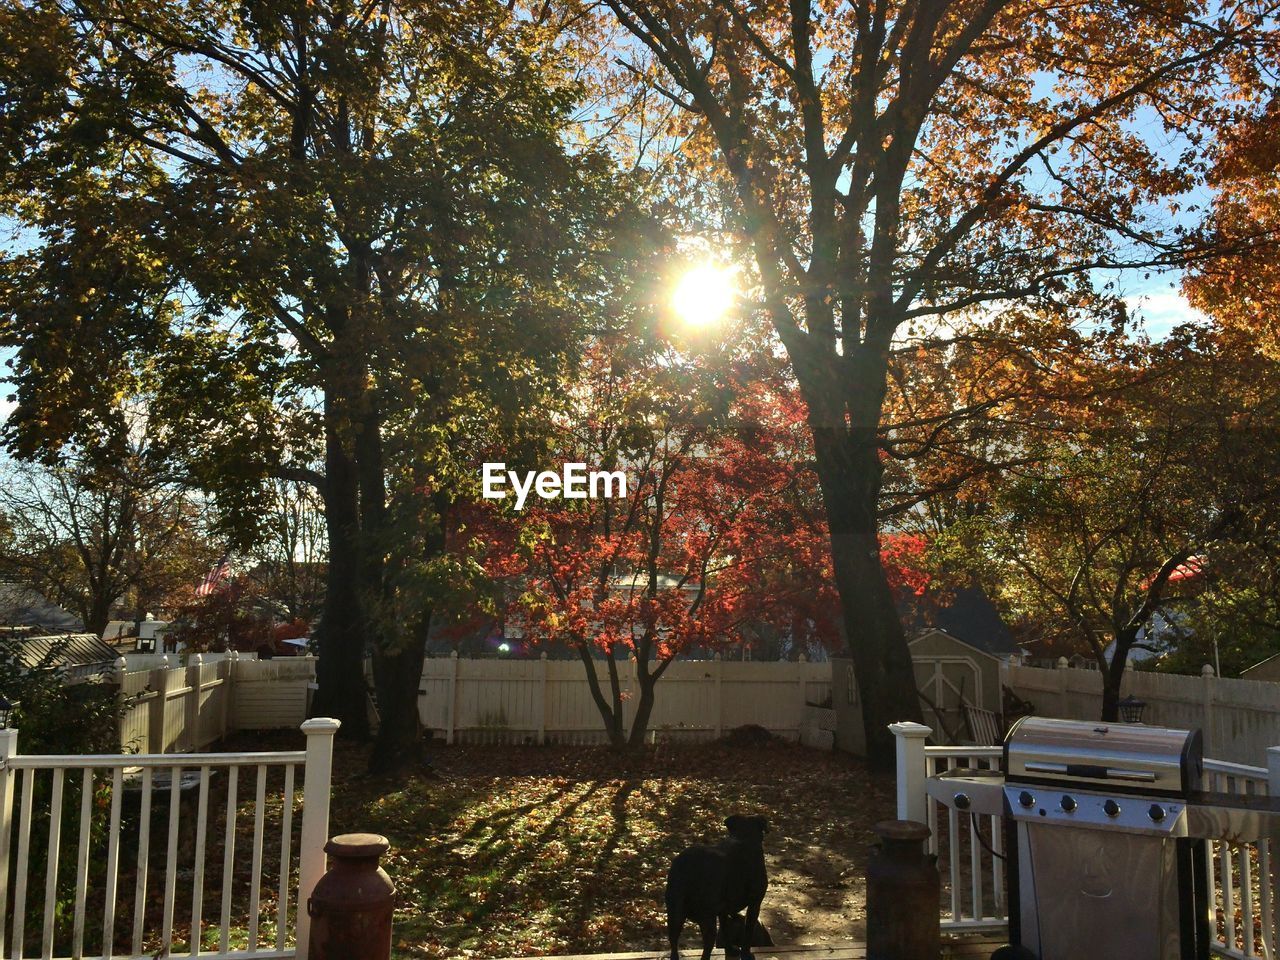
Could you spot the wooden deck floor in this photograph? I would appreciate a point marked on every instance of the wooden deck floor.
(954, 948)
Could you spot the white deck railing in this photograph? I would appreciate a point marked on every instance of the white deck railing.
(118, 798)
(1241, 876)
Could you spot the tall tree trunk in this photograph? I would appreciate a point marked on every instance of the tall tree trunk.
(396, 675)
(849, 472)
(1113, 674)
(644, 710)
(611, 715)
(340, 686)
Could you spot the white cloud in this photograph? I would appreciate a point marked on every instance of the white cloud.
(1162, 310)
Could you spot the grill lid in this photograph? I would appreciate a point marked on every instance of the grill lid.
(1122, 756)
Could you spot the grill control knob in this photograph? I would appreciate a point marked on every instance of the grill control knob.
(962, 801)
(1111, 808)
(1026, 799)
(1068, 804)
(1156, 813)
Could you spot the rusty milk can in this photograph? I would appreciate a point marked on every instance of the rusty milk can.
(902, 895)
(351, 905)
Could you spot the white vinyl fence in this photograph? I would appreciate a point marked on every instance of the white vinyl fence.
(165, 840)
(1239, 719)
(1242, 877)
(542, 701)
(184, 708)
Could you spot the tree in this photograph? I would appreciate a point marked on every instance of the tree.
(339, 238)
(1171, 472)
(1240, 285)
(91, 532)
(290, 556)
(897, 167)
(720, 535)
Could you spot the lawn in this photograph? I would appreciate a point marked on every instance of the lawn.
(520, 850)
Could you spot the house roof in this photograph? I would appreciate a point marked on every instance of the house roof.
(71, 650)
(24, 607)
(1273, 660)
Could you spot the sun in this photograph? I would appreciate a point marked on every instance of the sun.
(704, 295)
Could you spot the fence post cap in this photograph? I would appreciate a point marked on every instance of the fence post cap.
(453, 655)
(1206, 670)
(542, 655)
(164, 660)
(910, 729)
(320, 725)
(1063, 663)
(197, 659)
(122, 664)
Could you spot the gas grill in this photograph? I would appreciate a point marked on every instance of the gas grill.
(1105, 826)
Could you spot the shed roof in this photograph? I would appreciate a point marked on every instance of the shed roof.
(72, 650)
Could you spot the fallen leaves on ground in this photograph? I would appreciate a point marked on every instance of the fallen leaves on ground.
(519, 850)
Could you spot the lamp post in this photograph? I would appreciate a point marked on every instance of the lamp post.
(1131, 709)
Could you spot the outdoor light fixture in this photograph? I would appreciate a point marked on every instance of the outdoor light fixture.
(6, 708)
(1131, 709)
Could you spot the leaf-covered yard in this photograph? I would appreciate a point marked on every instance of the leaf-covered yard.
(519, 850)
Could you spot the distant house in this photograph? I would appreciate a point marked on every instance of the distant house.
(79, 654)
(1268, 669)
(21, 606)
(146, 637)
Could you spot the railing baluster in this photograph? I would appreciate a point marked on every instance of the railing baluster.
(1228, 895)
(113, 864)
(255, 882)
(82, 862)
(930, 768)
(975, 867)
(144, 852)
(51, 863)
(1269, 942)
(1246, 899)
(953, 855)
(286, 860)
(171, 859)
(197, 881)
(24, 853)
(228, 858)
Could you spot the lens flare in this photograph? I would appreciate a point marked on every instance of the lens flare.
(704, 295)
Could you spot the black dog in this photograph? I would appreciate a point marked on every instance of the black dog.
(710, 883)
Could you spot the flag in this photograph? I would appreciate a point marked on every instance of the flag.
(214, 578)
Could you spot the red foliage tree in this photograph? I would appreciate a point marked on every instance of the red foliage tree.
(720, 539)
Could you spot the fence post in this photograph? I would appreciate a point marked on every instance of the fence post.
(227, 669)
(191, 719)
(8, 783)
(542, 704)
(719, 668)
(911, 769)
(1210, 723)
(122, 711)
(804, 692)
(1064, 680)
(317, 778)
(155, 717)
(452, 718)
